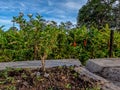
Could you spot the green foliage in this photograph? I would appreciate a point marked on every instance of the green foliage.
(99, 12)
(68, 86)
(37, 40)
(96, 88)
(10, 88)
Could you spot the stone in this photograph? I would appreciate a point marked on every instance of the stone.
(46, 75)
(97, 65)
(103, 83)
(108, 68)
(38, 74)
(111, 73)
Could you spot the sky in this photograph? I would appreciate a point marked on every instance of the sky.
(56, 10)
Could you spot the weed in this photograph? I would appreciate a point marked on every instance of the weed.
(10, 88)
(68, 86)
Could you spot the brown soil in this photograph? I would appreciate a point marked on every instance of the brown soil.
(56, 78)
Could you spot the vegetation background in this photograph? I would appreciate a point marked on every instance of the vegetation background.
(37, 39)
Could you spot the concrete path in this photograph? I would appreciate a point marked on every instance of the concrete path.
(108, 68)
(37, 63)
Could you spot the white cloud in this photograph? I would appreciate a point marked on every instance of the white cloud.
(57, 10)
(6, 22)
(49, 3)
(22, 4)
(73, 5)
(3, 21)
(115, 4)
(9, 6)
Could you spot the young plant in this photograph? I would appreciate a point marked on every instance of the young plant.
(47, 44)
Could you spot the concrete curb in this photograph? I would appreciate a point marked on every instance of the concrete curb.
(37, 63)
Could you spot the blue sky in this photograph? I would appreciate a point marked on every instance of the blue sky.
(57, 10)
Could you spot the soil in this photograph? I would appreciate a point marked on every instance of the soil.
(56, 78)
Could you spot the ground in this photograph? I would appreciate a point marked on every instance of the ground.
(55, 78)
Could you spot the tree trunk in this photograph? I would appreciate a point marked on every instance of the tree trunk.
(43, 58)
(35, 51)
(111, 44)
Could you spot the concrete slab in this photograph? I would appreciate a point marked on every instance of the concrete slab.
(103, 83)
(37, 63)
(108, 68)
(97, 65)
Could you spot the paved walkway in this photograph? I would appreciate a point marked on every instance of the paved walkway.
(37, 63)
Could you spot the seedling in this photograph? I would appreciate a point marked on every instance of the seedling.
(68, 86)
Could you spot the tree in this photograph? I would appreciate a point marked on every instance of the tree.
(40, 36)
(20, 20)
(97, 13)
(3, 42)
(66, 25)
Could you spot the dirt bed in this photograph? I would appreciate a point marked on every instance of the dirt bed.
(56, 78)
